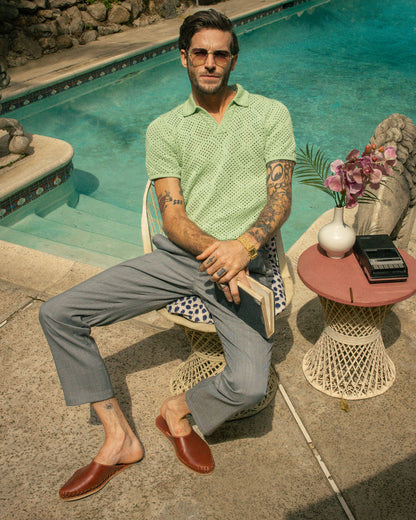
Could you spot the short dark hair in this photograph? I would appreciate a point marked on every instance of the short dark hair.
(210, 19)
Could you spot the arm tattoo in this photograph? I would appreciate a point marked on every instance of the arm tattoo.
(166, 199)
(279, 198)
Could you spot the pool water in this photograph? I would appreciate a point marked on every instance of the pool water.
(340, 68)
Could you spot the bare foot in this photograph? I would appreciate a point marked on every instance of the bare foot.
(120, 449)
(121, 444)
(174, 411)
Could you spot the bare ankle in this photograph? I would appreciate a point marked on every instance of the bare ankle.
(174, 411)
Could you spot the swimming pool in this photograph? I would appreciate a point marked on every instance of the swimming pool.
(340, 68)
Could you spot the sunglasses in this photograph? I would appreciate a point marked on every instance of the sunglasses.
(199, 57)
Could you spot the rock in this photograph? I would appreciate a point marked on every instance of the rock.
(63, 41)
(146, 20)
(19, 144)
(41, 4)
(24, 44)
(135, 7)
(48, 44)
(62, 24)
(46, 13)
(109, 28)
(54, 27)
(16, 60)
(4, 47)
(168, 9)
(97, 11)
(61, 4)
(89, 21)
(118, 14)
(8, 11)
(88, 36)
(76, 25)
(40, 30)
(26, 6)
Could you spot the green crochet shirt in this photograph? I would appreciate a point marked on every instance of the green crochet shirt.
(222, 167)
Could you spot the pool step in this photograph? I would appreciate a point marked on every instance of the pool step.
(94, 232)
(109, 211)
(101, 225)
(9, 234)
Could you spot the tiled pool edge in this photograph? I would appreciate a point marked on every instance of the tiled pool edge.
(13, 103)
(46, 169)
(41, 186)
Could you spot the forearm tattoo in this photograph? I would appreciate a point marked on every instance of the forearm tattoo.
(166, 199)
(279, 199)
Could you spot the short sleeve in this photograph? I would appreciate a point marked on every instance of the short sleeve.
(162, 158)
(280, 140)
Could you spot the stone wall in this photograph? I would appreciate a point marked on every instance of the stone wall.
(32, 28)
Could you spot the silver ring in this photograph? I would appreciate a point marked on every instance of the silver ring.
(222, 285)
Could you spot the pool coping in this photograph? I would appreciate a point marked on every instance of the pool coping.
(67, 75)
(48, 167)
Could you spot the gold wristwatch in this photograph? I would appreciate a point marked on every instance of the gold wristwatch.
(251, 250)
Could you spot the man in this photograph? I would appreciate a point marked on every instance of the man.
(222, 164)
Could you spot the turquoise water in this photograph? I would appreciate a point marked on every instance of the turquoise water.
(340, 69)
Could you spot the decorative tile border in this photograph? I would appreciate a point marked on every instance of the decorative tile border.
(258, 15)
(81, 79)
(51, 90)
(37, 189)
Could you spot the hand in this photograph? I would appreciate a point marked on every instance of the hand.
(224, 260)
(230, 290)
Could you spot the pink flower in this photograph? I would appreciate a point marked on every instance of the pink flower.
(354, 154)
(334, 183)
(390, 154)
(336, 166)
(375, 178)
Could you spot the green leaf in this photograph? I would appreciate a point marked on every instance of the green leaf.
(312, 168)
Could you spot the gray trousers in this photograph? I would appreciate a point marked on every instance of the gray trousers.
(138, 286)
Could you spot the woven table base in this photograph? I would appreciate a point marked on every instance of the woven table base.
(207, 359)
(349, 359)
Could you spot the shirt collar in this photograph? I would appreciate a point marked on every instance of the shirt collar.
(241, 99)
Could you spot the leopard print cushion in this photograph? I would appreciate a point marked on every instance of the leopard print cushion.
(192, 308)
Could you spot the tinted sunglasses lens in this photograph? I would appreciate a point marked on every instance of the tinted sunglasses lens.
(199, 57)
(221, 58)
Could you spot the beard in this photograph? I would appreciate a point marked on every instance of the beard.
(221, 83)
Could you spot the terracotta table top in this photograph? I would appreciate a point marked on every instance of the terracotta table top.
(338, 279)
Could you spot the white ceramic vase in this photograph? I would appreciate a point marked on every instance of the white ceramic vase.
(336, 238)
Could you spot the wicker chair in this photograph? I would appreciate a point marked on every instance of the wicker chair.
(206, 358)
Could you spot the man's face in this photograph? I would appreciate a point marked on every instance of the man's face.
(209, 78)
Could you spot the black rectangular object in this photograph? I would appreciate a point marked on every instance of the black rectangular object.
(380, 259)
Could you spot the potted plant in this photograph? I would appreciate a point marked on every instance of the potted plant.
(346, 183)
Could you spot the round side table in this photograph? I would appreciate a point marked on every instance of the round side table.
(349, 359)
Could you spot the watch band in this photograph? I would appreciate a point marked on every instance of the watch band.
(251, 250)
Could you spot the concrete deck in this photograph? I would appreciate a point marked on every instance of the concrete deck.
(264, 467)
